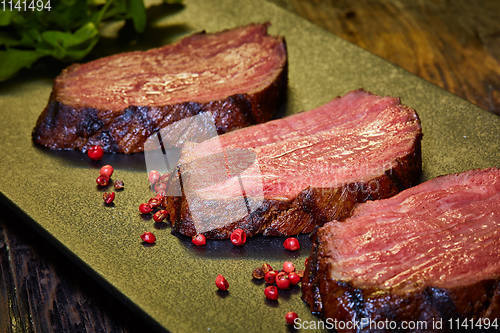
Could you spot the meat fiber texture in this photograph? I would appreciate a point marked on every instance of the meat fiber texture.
(117, 102)
(313, 166)
(431, 252)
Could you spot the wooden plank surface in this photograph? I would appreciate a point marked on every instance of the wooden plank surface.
(42, 291)
(454, 44)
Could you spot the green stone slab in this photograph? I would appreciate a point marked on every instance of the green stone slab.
(173, 282)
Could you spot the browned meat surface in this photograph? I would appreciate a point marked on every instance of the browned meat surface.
(238, 75)
(314, 166)
(431, 252)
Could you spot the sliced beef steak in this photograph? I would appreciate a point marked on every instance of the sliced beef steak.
(118, 101)
(430, 252)
(314, 166)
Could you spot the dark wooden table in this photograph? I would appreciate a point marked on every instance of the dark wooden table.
(454, 44)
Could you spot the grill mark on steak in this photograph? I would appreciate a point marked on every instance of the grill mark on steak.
(313, 295)
(79, 114)
(461, 207)
(297, 210)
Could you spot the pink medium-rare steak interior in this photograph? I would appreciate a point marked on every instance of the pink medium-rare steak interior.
(442, 233)
(352, 138)
(199, 68)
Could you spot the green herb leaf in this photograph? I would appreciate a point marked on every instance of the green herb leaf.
(74, 44)
(68, 32)
(137, 12)
(6, 17)
(15, 60)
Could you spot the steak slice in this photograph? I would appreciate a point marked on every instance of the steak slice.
(430, 252)
(117, 102)
(314, 166)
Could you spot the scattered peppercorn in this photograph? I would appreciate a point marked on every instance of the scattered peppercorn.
(282, 281)
(160, 215)
(258, 274)
(108, 197)
(153, 177)
(294, 278)
(238, 237)
(290, 317)
(154, 202)
(199, 240)
(271, 292)
(221, 283)
(270, 277)
(106, 171)
(288, 267)
(95, 152)
(145, 208)
(160, 196)
(291, 244)
(280, 274)
(148, 237)
(266, 268)
(102, 181)
(119, 185)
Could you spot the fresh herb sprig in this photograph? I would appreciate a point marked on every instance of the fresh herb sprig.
(68, 32)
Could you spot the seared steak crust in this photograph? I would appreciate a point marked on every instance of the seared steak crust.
(62, 126)
(311, 207)
(341, 300)
(429, 253)
(300, 206)
(72, 120)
